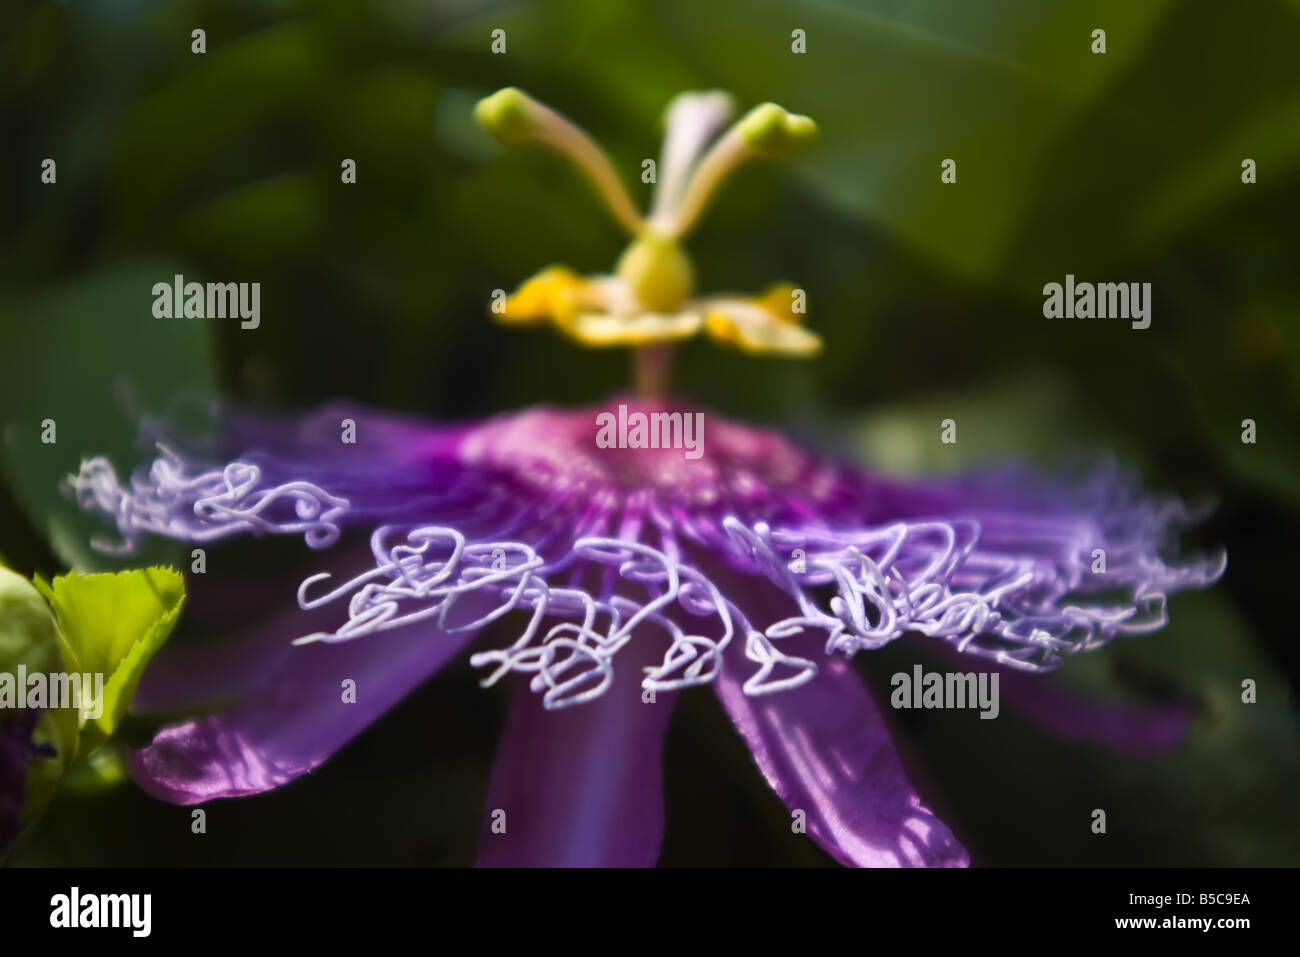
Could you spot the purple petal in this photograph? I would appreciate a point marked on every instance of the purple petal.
(249, 624)
(1125, 726)
(581, 786)
(394, 465)
(1139, 728)
(16, 749)
(824, 749)
(291, 715)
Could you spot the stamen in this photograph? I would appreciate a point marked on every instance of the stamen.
(514, 117)
(766, 130)
(690, 122)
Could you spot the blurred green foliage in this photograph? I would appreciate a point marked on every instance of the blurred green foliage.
(1116, 167)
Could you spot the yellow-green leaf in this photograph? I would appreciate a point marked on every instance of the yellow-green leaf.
(112, 624)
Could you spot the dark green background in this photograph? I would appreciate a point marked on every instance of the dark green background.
(1116, 167)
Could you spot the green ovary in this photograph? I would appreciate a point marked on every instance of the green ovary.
(658, 273)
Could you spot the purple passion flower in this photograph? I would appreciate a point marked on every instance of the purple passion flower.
(692, 551)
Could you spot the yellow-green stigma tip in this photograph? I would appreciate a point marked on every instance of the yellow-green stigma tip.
(770, 130)
(509, 114)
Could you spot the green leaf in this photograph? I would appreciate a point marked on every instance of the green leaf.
(1035, 415)
(945, 80)
(29, 639)
(112, 624)
(27, 630)
(64, 353)
(102, 770)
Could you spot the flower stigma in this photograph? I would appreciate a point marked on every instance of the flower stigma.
(648, 302)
